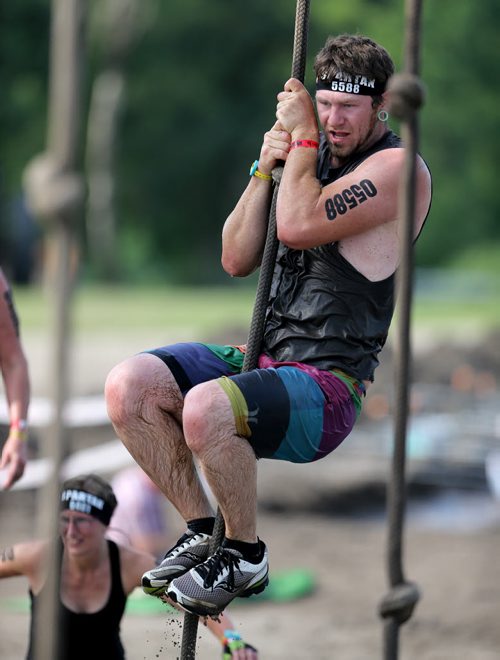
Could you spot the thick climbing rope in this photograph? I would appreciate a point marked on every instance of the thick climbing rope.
(406, 98)
(188, 647)
(55, 193)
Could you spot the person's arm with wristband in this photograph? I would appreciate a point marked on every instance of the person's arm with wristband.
(245, 229)
(234, 646)
(15, 375)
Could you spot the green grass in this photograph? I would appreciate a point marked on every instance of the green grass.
(95, 309)
(457, 300)
(484, 313)
(203, 311)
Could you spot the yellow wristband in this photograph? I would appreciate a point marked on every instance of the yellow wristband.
(19, 435)
(254, 171)
(19, 429)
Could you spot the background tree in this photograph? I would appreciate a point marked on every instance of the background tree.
(201, 85)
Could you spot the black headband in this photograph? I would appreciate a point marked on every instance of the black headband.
(355, 84)
(80, 500)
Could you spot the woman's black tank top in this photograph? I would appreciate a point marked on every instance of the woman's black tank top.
(93, 636)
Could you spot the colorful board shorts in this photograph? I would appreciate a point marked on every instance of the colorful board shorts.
(286, 410)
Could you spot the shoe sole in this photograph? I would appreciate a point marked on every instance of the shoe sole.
(154, 586)
(204, 608)
(154, 591)
(157, 586)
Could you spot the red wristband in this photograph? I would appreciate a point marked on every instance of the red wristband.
(19, 425)
(311, 144)
(19, 429)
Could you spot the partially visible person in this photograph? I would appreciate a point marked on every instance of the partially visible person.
(15, 375)
(97, 576)
(141, 517)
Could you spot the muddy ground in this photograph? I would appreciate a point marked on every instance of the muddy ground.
(329, 519)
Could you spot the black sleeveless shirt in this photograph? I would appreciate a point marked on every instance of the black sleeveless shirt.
(94, 636)
(322, 311)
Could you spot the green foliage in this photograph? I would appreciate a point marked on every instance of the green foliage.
(480, 257)
(201, 90)
(460, 125)
(24, 26)
(194, 124)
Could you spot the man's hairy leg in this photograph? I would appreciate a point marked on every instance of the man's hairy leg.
(227, 460)
(145, 406)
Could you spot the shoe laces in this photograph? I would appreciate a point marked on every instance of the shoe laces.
(216, 564)
(182, 544)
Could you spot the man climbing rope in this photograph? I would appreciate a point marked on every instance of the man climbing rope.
(328, 316)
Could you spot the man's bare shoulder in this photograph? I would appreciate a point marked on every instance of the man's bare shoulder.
(386, 161)
(376, 252)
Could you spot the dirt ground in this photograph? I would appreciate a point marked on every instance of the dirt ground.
(454, 557)
(457, 572)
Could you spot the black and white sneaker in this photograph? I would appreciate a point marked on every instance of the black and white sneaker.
(207, 589)
(189, 551)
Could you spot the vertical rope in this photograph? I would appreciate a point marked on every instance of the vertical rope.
(406, 98)
(271, 246)
(188, 648)
(55, 193)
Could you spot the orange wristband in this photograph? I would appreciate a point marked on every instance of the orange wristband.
(310, 144)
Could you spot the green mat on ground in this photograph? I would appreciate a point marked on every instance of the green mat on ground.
(283, 586)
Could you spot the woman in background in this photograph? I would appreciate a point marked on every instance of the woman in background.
(97, 576)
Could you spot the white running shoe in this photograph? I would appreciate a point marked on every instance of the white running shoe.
(189, 551)
(207, 589)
